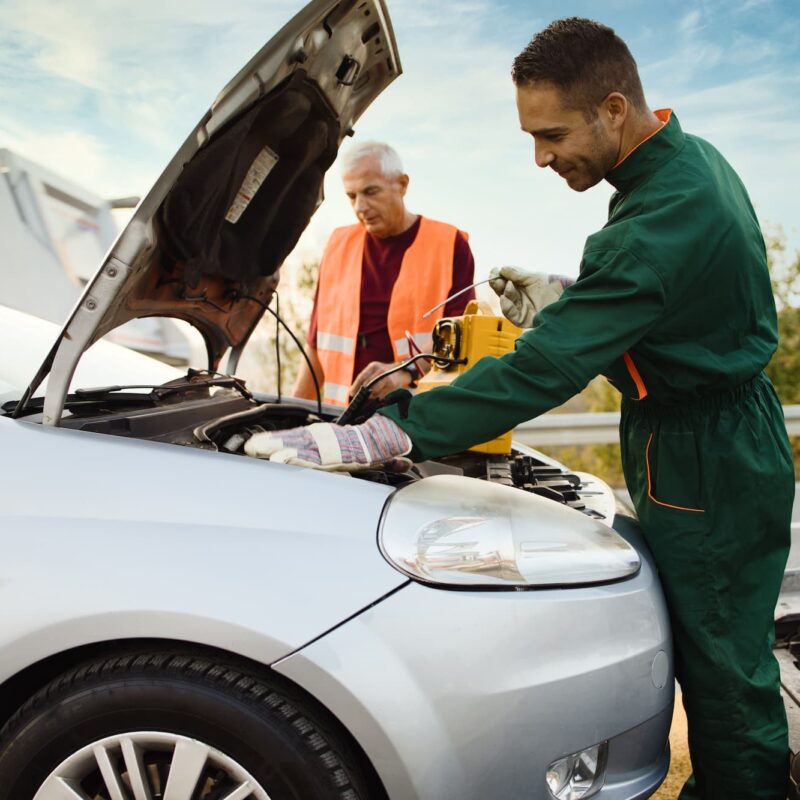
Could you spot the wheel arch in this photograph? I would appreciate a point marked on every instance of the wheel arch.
(18, 688)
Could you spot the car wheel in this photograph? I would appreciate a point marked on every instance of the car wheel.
(175, 727)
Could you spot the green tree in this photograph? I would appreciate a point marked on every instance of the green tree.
(784, 369)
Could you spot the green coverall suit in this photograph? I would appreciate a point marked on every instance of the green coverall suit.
(674, 305)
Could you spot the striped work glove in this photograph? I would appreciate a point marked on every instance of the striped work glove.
(378, 442)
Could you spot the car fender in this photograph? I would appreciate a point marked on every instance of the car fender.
(111, 538)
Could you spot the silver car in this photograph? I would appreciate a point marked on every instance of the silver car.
(183, 622)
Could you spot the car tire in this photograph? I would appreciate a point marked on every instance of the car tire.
(130, 715)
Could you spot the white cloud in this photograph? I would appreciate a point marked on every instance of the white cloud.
(108, 91)
(411, 15)
(83, 159)
(690, 22)
(66, 46)
(750, 123)
(144, 68)
(734, 85)
(749, 5)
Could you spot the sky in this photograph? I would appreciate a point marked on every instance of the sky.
(104, 91)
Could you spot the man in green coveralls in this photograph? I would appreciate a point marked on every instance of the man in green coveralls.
(674, 305)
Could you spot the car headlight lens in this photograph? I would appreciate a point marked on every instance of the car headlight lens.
(455, 531)
(579, 775)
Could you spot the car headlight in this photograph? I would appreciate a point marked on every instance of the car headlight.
(455, 531)
(579, 775)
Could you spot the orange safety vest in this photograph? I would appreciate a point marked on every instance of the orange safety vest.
(425, 278)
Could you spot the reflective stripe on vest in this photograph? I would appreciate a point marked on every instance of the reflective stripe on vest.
(339, 344)
(425, 279)
(335, 393)
(422, 340)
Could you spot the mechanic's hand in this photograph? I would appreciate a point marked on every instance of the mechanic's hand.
(378, 442)
(397, 380)
(524, 294)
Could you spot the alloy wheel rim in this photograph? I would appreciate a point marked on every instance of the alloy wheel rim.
(149, 765)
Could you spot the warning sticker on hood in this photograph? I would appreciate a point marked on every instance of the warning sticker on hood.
(256, 175)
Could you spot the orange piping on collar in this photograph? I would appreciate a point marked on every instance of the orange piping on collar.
(663, 114)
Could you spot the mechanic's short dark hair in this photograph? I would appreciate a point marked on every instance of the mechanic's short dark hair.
(585, 60)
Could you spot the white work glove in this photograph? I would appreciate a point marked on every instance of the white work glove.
(378, 442)
(524, 294)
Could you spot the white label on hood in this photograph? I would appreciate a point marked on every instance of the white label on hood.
(256, 175)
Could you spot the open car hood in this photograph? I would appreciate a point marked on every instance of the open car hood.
(205, 242)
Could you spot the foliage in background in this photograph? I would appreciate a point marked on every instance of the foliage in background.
(603, 460)
(295, 299)
(784, 369)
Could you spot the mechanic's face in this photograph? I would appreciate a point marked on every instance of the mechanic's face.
(376, 199)
(581, 152)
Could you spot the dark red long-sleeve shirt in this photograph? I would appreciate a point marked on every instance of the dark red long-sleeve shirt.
(381, 266)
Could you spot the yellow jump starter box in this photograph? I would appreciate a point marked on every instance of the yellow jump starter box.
(468, 338)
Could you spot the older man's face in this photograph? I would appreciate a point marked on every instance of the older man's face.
(581, 152)
(377, 200)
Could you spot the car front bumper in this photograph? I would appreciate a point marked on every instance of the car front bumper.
(467, 694)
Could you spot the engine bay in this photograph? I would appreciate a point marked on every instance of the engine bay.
(219, 414)
(523, 468)
(212, 411)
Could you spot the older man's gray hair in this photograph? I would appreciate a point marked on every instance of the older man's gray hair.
(389, 162)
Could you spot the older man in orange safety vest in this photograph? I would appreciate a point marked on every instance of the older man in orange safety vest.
(377, 279)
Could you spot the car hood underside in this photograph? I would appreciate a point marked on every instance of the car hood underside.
(205, 243)
(235, 213)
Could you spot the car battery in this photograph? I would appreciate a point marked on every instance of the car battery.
(465, 340)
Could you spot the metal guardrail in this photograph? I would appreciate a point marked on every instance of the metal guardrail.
(598, 428)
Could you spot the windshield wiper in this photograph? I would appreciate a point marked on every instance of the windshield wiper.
(74, 401)
(194, 379)
(120, 395)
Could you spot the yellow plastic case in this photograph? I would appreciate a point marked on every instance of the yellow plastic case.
(476, 334)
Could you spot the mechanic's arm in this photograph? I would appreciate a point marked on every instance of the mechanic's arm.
(401, 379)
(304, 385)
(607, 311)
(616, 301)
